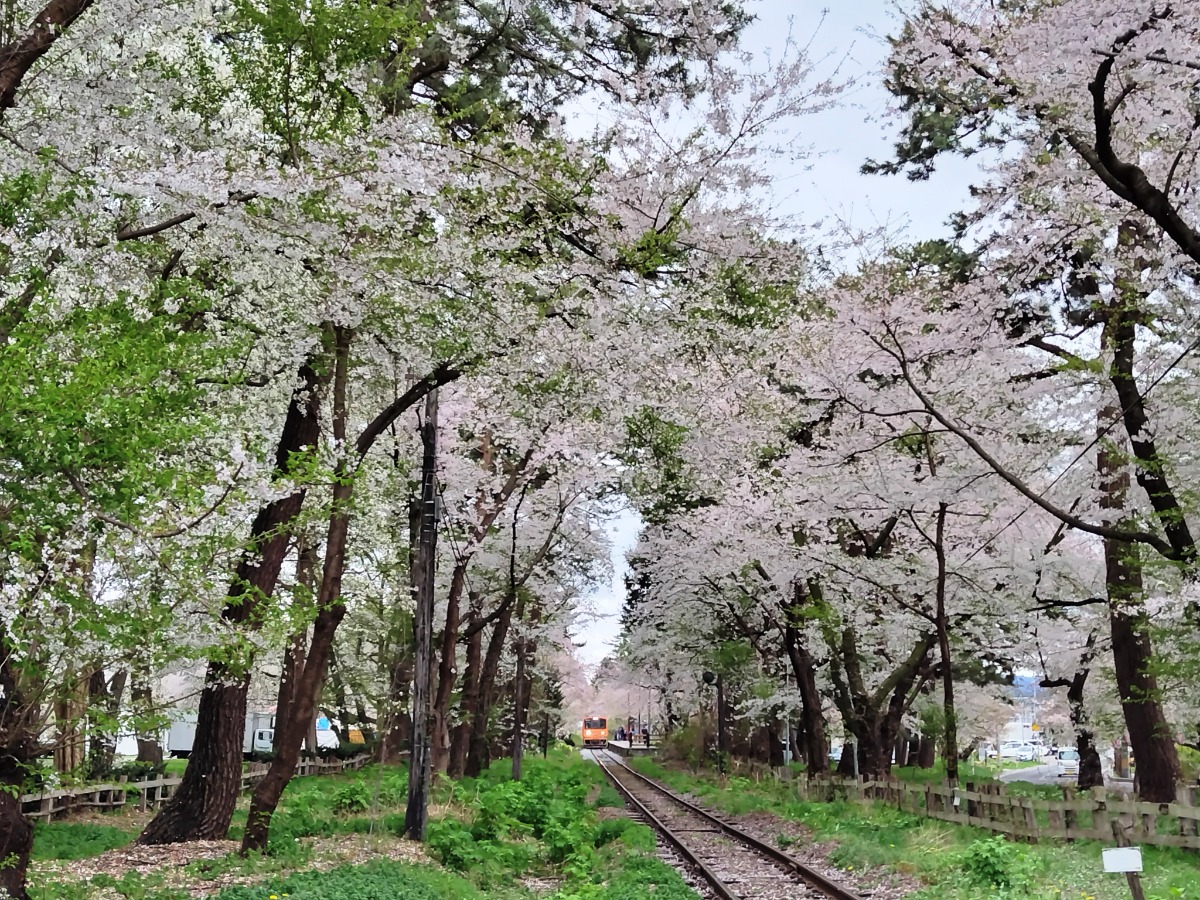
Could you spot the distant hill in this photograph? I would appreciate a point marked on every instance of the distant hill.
(1024, 685)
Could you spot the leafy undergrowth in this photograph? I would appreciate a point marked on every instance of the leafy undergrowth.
(956, 862)
(498, 838)
(383, 880)
(79, 840)
(545, 824)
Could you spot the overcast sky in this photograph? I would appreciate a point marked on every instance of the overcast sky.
(827, 184)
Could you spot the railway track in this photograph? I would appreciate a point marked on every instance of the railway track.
(733, 865)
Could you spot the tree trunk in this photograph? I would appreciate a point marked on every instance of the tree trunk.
(950, 735)
(69, 712)
(341, 697)
(1091, 772)
(1149, 733)
(399, 733)
(479, 752)
(330, 612)
(875, 717)
(203, 806)
(461, 736)
(926, 752)
(520, 702)
(774, 744)
(811, 711)
(16, 832)
(149, 743)
(297, 648)
(902, 749)
(107, 695)
(447, 669)
(18, 748)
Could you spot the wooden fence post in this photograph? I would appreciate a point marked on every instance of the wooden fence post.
(1185, 795)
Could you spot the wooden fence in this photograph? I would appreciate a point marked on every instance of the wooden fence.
(151, 793)
(1087, 815)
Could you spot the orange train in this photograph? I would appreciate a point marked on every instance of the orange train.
(595, 731)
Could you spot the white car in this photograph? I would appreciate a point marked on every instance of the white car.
(1067, 761)
(1018, 750)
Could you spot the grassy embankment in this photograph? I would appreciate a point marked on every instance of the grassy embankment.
(958, 863)
(493, 838)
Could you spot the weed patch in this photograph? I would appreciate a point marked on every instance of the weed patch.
(77, 840)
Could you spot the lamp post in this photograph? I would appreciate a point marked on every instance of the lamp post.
(711, 678)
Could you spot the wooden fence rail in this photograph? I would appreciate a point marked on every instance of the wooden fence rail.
(150, 793)
(1087, 815)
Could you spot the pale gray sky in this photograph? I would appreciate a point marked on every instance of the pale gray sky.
(828, 184)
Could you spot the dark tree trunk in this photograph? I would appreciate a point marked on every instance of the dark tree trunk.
(875, 717)
(811, 711)
(1091, 772)
(926, 752)
(107, 695)
(297, 648)
(16, 832)
(461, 736)
(902, 749)
(149, 744)
(203, 806)
(302, 708)
(447, 669)
(479, 752)
(950, 735)
(845, 766)
(18, 748)
(293, 666)
(520, 704)
(774, 745)
(1149, 733)
(488, 509)
(149, 751)
(341, 697)
(399, 732)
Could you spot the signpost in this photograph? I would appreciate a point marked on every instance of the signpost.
(1124, 858)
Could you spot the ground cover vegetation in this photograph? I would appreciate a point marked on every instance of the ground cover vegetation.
(493, 836)
(310, 312)
(955, 861)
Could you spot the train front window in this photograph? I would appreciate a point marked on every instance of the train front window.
(595, 723)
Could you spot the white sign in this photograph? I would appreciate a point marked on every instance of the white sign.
(1123, 859)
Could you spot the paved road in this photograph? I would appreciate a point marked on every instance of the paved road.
(1048, 774)
(1044, 774)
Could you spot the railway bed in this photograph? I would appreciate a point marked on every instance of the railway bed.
(731, 864)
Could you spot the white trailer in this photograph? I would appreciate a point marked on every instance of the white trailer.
(258, 736)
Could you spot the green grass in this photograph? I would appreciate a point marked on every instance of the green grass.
(956, 862)
(380, 880)
(77, 840)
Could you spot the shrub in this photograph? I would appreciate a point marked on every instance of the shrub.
(353, 797)
(139, 771)
(997, 862)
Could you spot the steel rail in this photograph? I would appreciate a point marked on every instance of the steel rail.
(831, 889)
(713, 879)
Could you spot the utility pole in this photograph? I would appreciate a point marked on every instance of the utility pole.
(423, 570)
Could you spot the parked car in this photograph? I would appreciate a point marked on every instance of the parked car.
(1018, 750)
(1067, 760)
